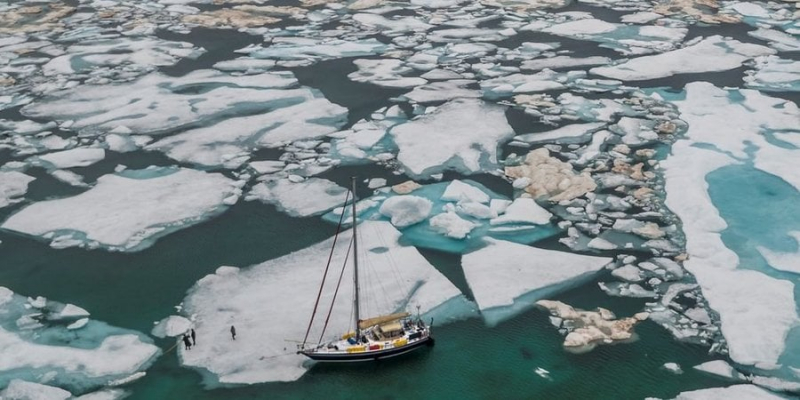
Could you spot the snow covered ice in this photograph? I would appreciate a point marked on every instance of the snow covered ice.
(504, 284)
(13, 185)
(467, 134)
(126, 212)
(284, 289)
(36, 345)
(309, 197)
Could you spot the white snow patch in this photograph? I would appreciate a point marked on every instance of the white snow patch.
(406, 210)
(523, 210)
(13, 185)
(312, 196)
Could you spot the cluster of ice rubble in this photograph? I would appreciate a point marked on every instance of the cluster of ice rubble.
(586, 329)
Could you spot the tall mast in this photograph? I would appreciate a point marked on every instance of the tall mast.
(355, 263)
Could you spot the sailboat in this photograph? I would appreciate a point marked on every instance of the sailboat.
(372, 338)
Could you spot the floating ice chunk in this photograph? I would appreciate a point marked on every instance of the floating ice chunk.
(749, 9)
(459, 191)
(22, 390)
(105, 394)
(738, 392)
(720, 368)
(13, 185)
(789, 262)
(773, 73)
(467, 133)
(406, 210)
(385, 72)
(376, 183)
(128, 212)
(673, 367)
(70, 359)
(437, 3)
(140, 52)
(219, 301)
(710, 54)
(451, 225)
(172, 326)
(69, 178)
(293, 48)
(507, 278)
(392, 26)
(601, 244)
(628, 273)
(573, 133)
(267, 167)
(465, 34)
(78, 324)
(551, 178)
(641, 17)
(245, 64)
(442, 91)
(72, 311)
(312, 196)
(559, 62)
(523, 210)
(80, 157)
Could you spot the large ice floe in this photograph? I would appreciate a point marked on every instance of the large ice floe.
(272, 302)
(507, 278)
(757, 308)
(710, 54)
(45, 342)
(453, 216)
(127, 211)
(467, 133)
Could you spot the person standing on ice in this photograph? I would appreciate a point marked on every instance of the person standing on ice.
(194, 338)
(186, 342)
(233, 332)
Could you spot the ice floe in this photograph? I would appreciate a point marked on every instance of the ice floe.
(774, 74)
(310, 197)
(710, 54)
(739, 392)
(23, 390)
(37, 346)
(172, 326)
(284, 292)
(551, 178)
(573, 133)
(79, 157)
(467, 133)
(13, 185)
(387, 73)
(314, 50)
(506, 278)
(789, 261)
(126, 212)
(756, 310)
(157, 103)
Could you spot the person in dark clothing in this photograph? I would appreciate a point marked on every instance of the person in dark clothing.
(186, 342)
(194, 338)
(233, 332)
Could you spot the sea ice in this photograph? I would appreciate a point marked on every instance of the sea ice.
(451, 225)
(312, 196)
(573, 133)
(127, 212)
(284, 290)
(79, 157)
(435, 92)
(13, 185)
(36, 345)
(172, 326)
(385, 72)
(313, 50)
(507, 278)
(720, 368)
(467, 133)
(406, 210)
(23, 390)
(789, 262)
(523, 210)
(774, 74)
(559, 62)
(711, 54)
(738, 392)
(458, 191)
(156, 103)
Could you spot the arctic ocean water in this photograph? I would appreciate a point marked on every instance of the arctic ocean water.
(469, 360)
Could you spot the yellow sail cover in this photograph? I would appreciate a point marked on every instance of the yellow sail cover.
(366, 323)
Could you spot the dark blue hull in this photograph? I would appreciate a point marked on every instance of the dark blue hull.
(369, 355)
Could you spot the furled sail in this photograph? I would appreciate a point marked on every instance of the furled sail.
(366, 323)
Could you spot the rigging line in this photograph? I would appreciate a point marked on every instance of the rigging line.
(373, 274)
(327, 266)
(392, 264)
(336, 292)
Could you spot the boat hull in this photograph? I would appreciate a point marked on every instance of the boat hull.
(369, 355)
